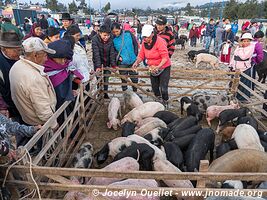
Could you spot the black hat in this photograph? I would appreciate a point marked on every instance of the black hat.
(10, 39)
(161, 20)
(66, 16)
(259, 34)
(51, 31)
(63, 49)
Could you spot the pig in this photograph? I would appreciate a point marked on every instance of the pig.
(118, 144)
(128, 129)
(175, 123)
(227, 132)
(263, 135)
(181, 41)
(248, 120)
(207, 58)
(261, 69)
(84, 156)
(112, 148)
(143, 130)
(204, 100)
(225, 147)
(264, 144)
(190, 107)
(131, 99)
(214, 111)
(180, 133)
(166, 116)
(156, 136)
(162, 165)
(198, 148)
(144, 183)
(234, 184)
(122, 165)
(186, 123)
(145, 121)
(184, 141)
(240, 160)
(184, 37)
(246, 137)
(143, 153)
(192, 54)
(230, 115)
(143, 111)
(158, 152)
(174, 154)
(113, 110)
(81, 196)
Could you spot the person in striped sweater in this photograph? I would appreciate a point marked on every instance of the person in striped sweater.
(166, 33)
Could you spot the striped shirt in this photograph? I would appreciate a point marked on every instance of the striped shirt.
(168, 36)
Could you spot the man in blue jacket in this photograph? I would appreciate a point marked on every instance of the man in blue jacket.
(235, 28)
(210, 32)
(127, 49)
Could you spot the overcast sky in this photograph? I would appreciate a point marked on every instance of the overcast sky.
(119, 4)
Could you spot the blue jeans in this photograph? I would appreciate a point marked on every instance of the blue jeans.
(218, 44)
(208, 42)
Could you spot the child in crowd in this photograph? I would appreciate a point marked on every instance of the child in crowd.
(104, 54)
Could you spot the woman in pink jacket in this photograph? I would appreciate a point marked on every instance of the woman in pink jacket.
(241, 61)
(154, 50)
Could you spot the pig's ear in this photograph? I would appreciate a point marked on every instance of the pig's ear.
(109, 125)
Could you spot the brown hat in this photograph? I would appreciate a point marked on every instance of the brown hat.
(9, 39)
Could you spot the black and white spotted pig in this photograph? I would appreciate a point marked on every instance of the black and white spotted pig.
(83, 159)
(190, 107)
(206, 100)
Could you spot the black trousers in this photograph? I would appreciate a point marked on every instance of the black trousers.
(126, 73)
(246, 82)
(160, 84)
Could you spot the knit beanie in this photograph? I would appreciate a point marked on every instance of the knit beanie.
(63, 49)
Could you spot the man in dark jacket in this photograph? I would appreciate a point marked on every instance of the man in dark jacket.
(10, 51)
(104, 54)
(209, 33)
(165, 32)
(43, 23)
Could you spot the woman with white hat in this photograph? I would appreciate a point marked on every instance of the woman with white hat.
(241, 61)
(154, 49)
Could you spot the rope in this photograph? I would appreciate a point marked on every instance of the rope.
(31, 174)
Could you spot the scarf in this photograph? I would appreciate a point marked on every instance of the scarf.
(58, 73)
(32, 32)
(154, 40)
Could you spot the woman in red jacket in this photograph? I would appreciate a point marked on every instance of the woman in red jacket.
(193, 35)
(154, 50)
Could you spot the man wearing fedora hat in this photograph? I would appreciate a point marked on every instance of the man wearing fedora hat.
(10, 45)
(66, 23)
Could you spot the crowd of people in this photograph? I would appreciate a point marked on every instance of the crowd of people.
(42, 67)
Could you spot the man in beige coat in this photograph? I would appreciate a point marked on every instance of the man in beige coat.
(31, 89)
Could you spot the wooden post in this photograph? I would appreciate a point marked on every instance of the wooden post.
(203, 167)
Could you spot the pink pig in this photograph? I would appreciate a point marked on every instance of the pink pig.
(214, 111)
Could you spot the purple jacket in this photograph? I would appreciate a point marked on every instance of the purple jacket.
(258, 54)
